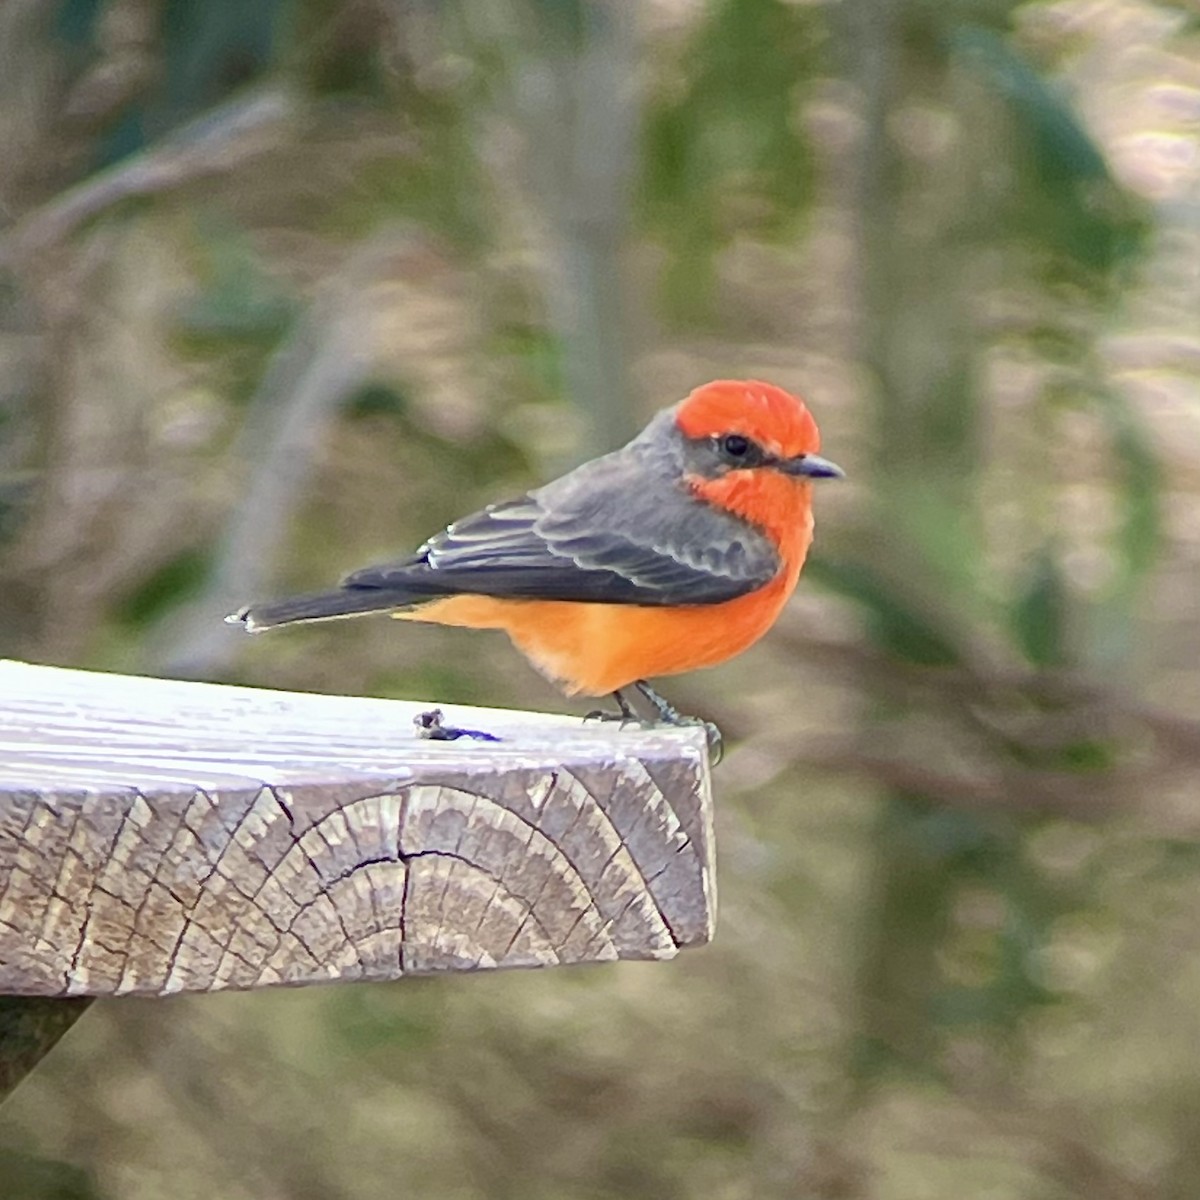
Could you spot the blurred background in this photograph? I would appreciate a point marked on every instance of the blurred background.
(285, 286)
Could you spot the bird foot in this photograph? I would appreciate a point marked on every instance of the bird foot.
(625, 714)
(666, 714)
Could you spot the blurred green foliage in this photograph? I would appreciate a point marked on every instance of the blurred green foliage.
(958, 867)
(1070, 230)
(26, 1175)
(1064, 192)
(724, 153)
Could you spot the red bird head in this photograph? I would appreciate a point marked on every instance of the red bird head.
(751, 425)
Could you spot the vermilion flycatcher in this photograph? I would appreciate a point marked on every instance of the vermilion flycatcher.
(675, 552)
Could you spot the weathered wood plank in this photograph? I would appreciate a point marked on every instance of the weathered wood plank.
(159, 836)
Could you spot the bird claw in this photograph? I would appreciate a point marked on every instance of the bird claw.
(624, 714)
(621, 720)
(712, 735)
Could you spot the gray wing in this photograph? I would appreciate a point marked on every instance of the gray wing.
(615, 530)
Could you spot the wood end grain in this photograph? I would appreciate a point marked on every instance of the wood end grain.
(159, 836)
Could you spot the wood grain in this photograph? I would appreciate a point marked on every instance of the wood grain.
(159, 836)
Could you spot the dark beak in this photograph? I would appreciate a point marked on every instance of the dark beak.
(811, 466)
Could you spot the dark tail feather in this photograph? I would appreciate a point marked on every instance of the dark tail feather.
(320, 606)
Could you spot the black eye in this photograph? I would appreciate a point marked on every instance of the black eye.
(734, 446)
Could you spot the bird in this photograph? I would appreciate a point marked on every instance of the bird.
(675, 552)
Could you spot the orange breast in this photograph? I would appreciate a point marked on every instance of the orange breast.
(598, 648)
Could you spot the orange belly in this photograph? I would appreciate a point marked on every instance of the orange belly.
(597, 648)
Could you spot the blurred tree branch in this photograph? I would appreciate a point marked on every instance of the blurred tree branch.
(569, 83)
(329, 355)
(979, 686)
(981, 713)
(214, 144)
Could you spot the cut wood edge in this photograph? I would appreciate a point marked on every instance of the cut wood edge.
(159, 836)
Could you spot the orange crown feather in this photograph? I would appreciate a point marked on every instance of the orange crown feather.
(775, 419)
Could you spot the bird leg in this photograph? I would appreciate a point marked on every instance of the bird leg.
(668, 714)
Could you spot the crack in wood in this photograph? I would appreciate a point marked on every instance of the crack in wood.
(680, 847)
(135, 925)
(565, 873)
(316, 830)
(622, 846)
(58, 892)
(89, 907)
(531, 915)
(287, 812)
